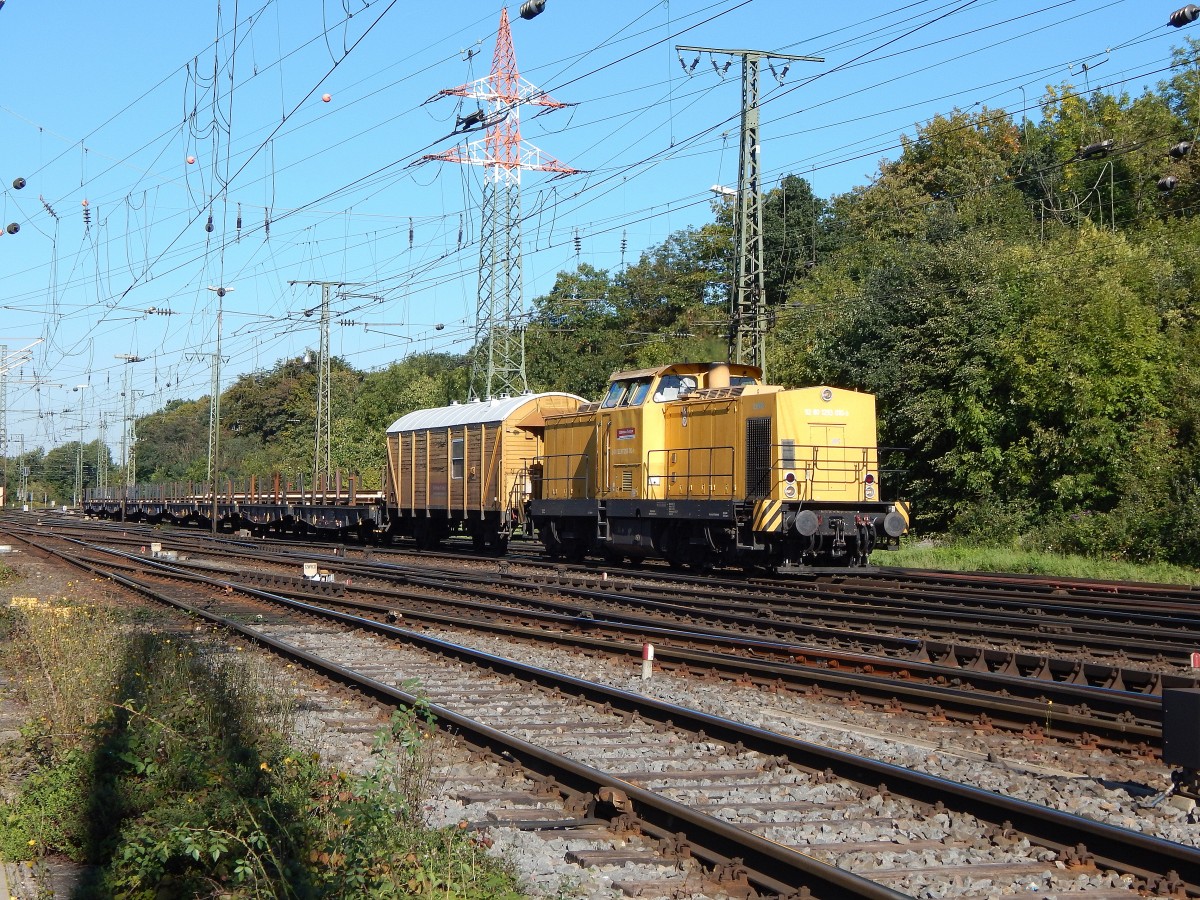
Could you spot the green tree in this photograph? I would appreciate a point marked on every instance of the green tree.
(572, 343)
(172, 443)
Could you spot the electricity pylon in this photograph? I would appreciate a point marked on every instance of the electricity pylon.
(498, 361)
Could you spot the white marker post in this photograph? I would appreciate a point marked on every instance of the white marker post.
(647, 661)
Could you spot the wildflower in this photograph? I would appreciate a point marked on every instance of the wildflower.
(33, 842)
(264, 767)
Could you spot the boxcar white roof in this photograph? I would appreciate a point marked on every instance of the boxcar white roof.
(483, 412)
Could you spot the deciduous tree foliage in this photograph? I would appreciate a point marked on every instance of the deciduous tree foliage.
(1031, 337)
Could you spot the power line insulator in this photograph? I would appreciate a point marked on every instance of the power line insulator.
(1180, 150)
(1097, 150)
(532, 8)
(13, 228)
(208, 226)
(18, 183)
(470, 120)
(1185, 16)
(1167, 183)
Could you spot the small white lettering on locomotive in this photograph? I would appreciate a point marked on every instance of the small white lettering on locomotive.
(828, 413)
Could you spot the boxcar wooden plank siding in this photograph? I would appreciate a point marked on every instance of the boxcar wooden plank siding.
(464, 468)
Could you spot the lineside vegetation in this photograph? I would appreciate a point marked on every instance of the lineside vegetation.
(165, 765)
(963, 556)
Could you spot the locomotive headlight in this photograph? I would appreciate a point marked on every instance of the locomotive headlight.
(789, 491)
(869, 492)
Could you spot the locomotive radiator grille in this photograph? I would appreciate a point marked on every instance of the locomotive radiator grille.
(758, 458)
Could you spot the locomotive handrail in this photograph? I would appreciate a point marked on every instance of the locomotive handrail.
(669, 469)
(823, 466)
(583, 473)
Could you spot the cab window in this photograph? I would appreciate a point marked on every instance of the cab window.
(616, 391)
(637, 393)
(672, 387)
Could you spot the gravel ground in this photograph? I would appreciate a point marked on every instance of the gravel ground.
(1121, 791)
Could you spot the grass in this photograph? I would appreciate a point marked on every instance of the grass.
(165, 764)
(966, 557)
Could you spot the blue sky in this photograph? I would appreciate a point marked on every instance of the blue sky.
(107, 102)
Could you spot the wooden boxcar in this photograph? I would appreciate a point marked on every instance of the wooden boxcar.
(702, 464)
(464, 468)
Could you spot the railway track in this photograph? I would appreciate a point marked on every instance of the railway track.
(740, 793)
(1030, 702)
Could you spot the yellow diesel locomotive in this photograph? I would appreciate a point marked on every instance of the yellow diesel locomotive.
(703, 465)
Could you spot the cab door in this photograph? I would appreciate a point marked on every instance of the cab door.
(832, 470)
(621, 441)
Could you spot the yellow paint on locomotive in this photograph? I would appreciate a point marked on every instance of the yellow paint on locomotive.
(698, 431)
(636, 442)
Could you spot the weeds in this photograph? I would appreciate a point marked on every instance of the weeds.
(165, 765)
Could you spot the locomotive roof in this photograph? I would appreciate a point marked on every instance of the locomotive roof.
(684, 368)
(482, 412)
